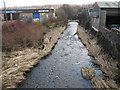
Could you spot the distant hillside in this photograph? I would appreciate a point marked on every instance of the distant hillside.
(52, 6)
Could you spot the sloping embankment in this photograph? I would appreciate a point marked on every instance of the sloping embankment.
(16, 66)
(109, 39)
(106, 63)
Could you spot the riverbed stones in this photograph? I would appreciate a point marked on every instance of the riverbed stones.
(88, 73)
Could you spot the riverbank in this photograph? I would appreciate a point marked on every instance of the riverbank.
(103, 60)
(16, 64)
(61, 68)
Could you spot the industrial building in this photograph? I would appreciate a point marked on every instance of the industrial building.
(34, 13)
(105, 14)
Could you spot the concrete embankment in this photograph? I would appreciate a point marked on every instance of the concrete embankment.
(20, 62)
(105, 62)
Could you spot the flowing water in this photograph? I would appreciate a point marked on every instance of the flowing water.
(62, 68)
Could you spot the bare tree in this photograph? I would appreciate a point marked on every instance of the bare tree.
(67, 11)
(61, 13)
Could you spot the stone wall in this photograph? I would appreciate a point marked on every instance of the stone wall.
(110, 41)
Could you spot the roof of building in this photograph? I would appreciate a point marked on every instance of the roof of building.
(108, 4)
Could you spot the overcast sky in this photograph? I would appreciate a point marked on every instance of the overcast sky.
(10, 3)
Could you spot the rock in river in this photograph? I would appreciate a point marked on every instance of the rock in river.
(88, 73)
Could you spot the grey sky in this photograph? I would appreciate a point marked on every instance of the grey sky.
(10, 3)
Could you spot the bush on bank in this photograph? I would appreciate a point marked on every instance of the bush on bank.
(53, 22)
(17, 35)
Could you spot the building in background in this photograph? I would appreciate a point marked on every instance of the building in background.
(34, 13)
(105, 14)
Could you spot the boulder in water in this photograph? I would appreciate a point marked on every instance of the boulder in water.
(88, 73)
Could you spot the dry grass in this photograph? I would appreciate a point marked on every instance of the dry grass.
(17, 36)
(14, 68)
(108, 66)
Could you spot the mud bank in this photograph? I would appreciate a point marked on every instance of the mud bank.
(16, 64)
(102, 59)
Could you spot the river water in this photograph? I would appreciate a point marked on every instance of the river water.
(62, 68)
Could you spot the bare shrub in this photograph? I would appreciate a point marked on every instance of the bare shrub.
(18, 35)
(67, 11)
(84, 19)
(54, 22)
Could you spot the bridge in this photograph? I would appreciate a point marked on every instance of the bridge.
(14, 14)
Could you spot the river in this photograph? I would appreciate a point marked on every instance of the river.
(62, 68)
